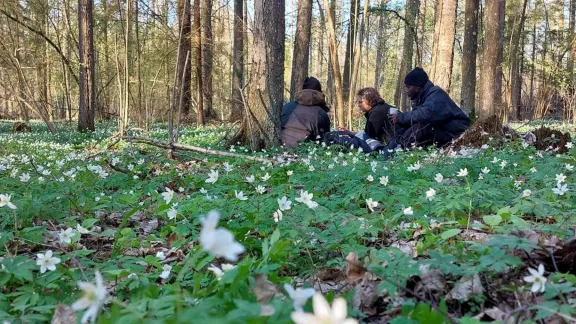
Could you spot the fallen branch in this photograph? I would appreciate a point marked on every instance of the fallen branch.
(183, 147)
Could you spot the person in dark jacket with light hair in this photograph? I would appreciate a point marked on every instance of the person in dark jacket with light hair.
(435, 118)
(306, 118)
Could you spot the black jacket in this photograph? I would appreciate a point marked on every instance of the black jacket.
(305, 118)
(378, 126)
(433, 106)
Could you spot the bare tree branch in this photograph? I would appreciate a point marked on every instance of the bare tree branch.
(48, 40)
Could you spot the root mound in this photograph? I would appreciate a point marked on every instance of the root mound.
(547, 138)
(21, 127)
(481, 132)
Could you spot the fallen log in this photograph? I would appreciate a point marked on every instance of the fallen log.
(183, 147)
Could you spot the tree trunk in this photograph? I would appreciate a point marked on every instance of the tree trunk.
(469, 52)
(185, 45)
(571, 37)
(443, 47)
(356, 67)
(142, 118)
(350, 41)
(515, 56)
(337, 78)
(198, 61)
(330, 82)
(104, 100)
(261, 124)
(533, 70)
(207, 58)
(300, 58)
(400, 99)
(490, 92)
(124, 119)
(421, 32)
(380, 49)
(87, 102)
(238, 62)
(500, 59)
(571, 55)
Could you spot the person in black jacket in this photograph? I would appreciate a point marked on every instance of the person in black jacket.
(378, 129)
(306, 118)
(434, 119)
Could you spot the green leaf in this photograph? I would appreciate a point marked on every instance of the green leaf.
(450, 233)
(492, 220)
(88, 223)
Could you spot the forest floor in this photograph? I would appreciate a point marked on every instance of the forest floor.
(486, 235)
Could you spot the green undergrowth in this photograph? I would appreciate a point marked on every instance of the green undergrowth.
(473, 224)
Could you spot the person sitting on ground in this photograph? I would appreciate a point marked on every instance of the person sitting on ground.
(306, 118)
(434, 119)
(378, 129)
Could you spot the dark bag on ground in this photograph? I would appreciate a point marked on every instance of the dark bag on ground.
(361, 140)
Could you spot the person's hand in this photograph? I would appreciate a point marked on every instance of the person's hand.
(343, 129)
(392, 118)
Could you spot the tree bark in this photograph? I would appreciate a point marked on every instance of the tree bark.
(421, 32)
(469, 53)
(185, 44)
(337, 78)
(356, 67)
(142, 118)
(490, 85)
(380, 49)
(533, 70)
(350, 41)
(571, 37)
(238, 62)
(400, 99)
(443, 47)
(515, 62)
(571, 55)
(207, 58)
(300, 58)
(124, 119)
(261, 123)
(87, 102)
(198, 61)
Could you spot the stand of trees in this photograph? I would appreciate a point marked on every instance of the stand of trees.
(218, 60)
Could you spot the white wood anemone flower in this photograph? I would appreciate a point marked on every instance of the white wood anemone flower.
(537, 279)
(47, 261)
(5, 201)
(284, 204)
(299, 296)
(323, 313)
(371, 204)
(463, 172)
(430, 194)
(93, 298)
(218, 241)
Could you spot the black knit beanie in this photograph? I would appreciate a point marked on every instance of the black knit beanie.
(312, 83)
(416, 77)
